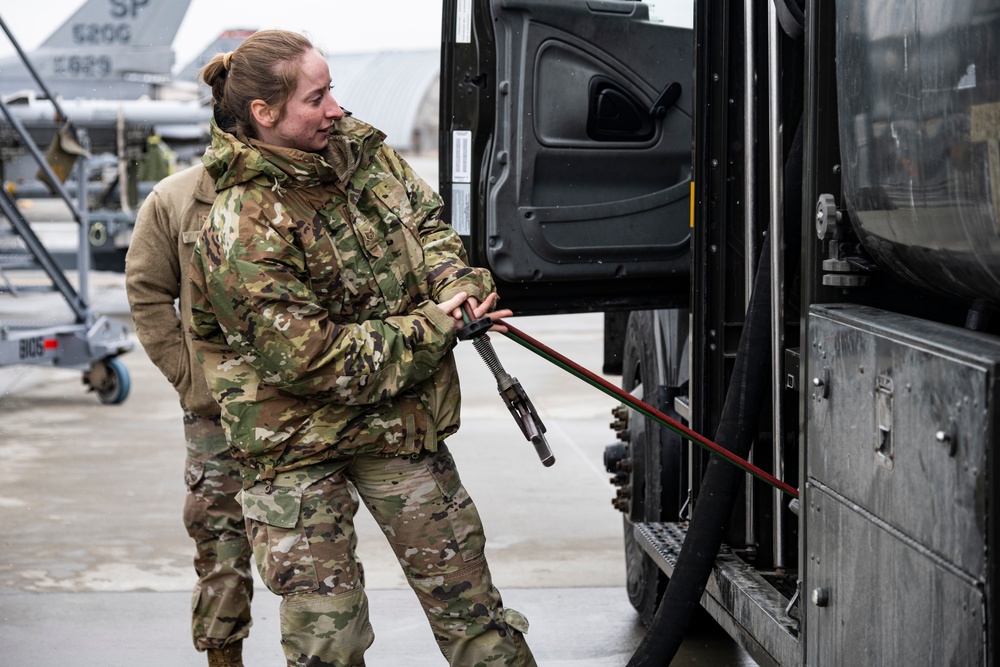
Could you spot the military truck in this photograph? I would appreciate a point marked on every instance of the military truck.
(789, 213)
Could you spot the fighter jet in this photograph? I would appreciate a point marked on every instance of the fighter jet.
(227, 41)
(108, 49)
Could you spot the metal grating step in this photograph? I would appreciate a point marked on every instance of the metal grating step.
(18, 260)
(741, 599)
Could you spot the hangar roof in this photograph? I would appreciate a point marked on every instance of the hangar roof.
(386, 89)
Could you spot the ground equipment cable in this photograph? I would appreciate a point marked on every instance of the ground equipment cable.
(526, 341)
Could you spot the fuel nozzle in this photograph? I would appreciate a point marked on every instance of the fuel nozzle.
(510, 389)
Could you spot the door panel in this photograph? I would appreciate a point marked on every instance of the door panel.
(566, 150)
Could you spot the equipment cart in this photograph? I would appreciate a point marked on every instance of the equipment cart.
(89, 342)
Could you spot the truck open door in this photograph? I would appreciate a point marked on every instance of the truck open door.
(565, 151)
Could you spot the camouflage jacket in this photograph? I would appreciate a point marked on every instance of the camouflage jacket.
(314, 292)
(156, 271)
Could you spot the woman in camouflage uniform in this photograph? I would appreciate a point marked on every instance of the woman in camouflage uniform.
(325, 294)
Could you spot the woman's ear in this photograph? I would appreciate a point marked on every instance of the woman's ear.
(262, 113)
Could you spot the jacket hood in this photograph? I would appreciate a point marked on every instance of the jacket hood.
(233, 160)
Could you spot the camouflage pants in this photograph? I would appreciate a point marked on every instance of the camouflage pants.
(304, 545)
(220, 604)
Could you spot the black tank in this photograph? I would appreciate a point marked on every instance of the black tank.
(919, 106)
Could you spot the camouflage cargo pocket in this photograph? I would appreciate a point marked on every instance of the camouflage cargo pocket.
(194, 472)
(466, 524)
(280, 545)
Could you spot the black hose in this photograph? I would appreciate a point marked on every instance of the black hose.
(738, 426)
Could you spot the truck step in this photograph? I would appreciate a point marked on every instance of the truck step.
(746, 602)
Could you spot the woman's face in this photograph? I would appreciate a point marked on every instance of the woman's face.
(309, 112)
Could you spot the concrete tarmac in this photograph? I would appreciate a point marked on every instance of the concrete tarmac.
(95, 567)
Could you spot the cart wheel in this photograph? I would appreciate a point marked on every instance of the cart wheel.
(115, 384)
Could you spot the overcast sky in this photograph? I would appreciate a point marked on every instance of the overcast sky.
(336, 26)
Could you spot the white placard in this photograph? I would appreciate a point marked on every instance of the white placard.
(463, 21)
(461, 208)
(461, 156)
(679, 13)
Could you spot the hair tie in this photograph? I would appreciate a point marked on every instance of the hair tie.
(226, 60)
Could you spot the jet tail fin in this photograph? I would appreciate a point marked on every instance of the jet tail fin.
(227, 41)
(99, 24)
